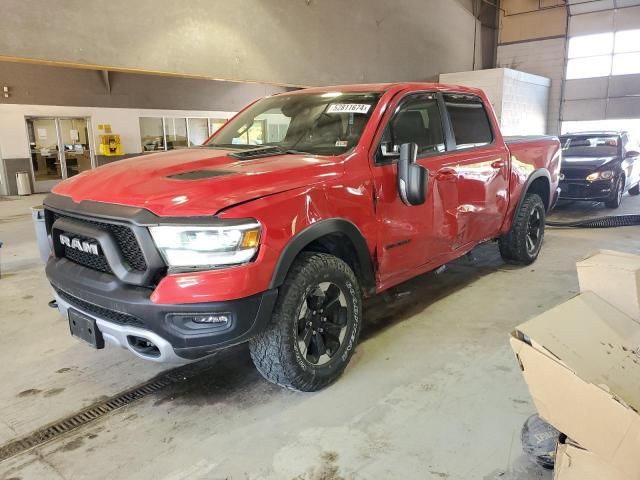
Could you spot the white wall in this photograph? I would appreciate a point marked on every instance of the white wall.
(490, 81)
(520, 100)
(14, 142)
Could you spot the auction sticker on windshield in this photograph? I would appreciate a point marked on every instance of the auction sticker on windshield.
(362, 108)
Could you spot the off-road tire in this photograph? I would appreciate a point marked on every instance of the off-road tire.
(635, 190)
(514, 245)
(276, 352)
(616, 196)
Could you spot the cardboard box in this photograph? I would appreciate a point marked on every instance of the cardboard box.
(614, 276)
(581, 361)
(576, 463)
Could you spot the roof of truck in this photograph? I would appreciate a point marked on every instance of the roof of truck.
(383, 87)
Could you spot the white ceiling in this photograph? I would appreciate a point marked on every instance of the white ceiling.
(577, 7)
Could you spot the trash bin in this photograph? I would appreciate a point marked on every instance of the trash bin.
(37, 214)
(24, 183)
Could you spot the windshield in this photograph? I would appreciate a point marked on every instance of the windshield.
(317, 123)
(590, 146)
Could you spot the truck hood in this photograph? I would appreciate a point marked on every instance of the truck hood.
(586, 163)
(196, 182)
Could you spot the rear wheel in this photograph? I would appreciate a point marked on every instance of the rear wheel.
(635, 190)
(523, 242)
(315, 325)
(616, 195)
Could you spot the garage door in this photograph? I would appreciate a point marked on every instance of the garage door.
(603, 66)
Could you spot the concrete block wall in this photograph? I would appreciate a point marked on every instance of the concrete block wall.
(520, 100)
(525, 103)
(539, 57)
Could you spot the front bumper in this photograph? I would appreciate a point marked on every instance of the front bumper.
(125, 313)
(597, 191)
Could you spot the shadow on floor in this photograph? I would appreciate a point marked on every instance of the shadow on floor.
(230, 376)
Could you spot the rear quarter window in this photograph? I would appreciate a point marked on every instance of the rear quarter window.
(469, 120)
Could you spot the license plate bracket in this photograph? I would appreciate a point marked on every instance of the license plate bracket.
(85, 328)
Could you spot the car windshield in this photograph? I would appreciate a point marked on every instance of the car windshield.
(590, 146)
(318, 123)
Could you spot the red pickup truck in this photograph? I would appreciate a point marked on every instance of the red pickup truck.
(274, 230)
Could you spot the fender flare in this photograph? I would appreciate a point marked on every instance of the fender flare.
(319, 230)
(541, 172)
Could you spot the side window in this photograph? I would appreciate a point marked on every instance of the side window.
(469, 120)
(417, 121)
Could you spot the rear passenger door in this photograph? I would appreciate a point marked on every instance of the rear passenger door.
(479, 169)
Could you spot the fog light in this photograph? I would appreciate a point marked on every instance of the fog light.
(210, 318)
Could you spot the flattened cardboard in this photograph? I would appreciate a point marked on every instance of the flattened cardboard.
(575, 463)
(581, 364)
(614, 276)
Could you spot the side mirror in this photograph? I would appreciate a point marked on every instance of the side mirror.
(389, 150)
(412, 178)
(632, 154)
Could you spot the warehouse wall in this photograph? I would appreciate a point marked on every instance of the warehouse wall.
(532, 39)
(288, 42)
(50, 85)
(541, 57)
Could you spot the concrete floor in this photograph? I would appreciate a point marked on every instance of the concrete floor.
(433, 391)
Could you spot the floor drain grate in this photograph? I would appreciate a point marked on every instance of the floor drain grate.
(95, 411)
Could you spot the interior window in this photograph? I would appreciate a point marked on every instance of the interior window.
(469, 120)
(418, 121)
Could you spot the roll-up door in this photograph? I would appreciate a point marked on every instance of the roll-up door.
(603, 61)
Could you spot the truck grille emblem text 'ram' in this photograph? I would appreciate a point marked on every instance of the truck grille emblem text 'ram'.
(76, 244)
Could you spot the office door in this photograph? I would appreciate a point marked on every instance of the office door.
(60, 148)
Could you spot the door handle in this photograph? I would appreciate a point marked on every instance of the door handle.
(498, 164)
(446, 173)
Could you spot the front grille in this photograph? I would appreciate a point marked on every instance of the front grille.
(95, 262)
(576, 173)
(125, 239)
(103, 313)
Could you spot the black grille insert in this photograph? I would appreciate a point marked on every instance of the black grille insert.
(95, 262)
(101, 312)
(124, 237)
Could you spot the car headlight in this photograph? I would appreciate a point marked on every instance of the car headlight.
(604, 175)
(202, 247)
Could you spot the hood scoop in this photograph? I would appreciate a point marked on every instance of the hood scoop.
(257, 153)
(199, 174)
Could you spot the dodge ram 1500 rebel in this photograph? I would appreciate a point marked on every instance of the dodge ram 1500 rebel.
(275, 228)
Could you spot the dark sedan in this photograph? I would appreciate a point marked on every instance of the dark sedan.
(599, 167)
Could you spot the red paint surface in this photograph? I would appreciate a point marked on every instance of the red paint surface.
(472, 196)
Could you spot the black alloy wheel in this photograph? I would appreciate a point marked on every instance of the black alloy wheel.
(534, 231)
(322, 323)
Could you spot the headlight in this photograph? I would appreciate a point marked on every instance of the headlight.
(605, 175)
(202, 247)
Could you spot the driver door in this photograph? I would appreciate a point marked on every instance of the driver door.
(411, 236)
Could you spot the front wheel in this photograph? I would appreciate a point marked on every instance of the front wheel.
(523, 242)
(315, 325)
(616, 195)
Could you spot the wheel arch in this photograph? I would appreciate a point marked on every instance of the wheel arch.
(336, 236)
(538, 182)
